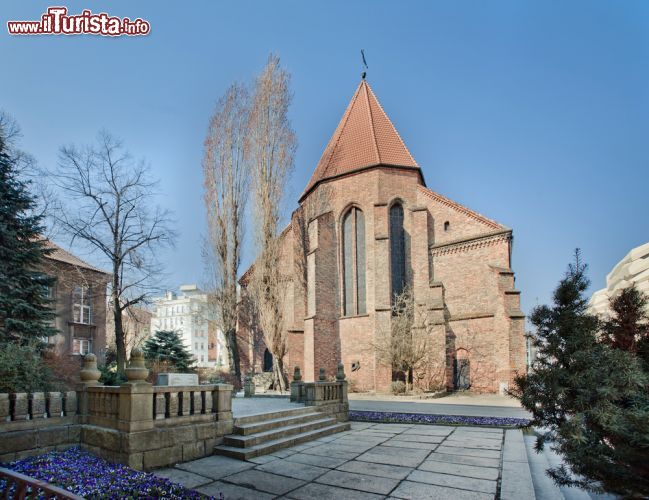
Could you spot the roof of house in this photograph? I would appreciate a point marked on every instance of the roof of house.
(364, 138)
(66, 257)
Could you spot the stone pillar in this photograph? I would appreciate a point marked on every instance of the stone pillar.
(37, 400)
(4, 407)
(21, 406)
(296, 386)
(321, 340)
(89, 375)
(382, 287)
(136, 396)
(248, 386)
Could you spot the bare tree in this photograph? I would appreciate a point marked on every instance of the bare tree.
(406, 346)
(272, 148)
(226, 182)
(109, 207)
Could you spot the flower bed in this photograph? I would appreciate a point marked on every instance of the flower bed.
(420, 418)
(85, 475)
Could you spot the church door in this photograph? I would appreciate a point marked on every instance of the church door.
(461, 374)
(268, 361)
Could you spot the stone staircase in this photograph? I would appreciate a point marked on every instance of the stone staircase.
(264, 433)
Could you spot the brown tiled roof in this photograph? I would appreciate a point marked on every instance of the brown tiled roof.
(365, 137)
(61, 255)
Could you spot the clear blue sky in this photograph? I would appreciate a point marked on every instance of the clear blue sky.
(535, 114)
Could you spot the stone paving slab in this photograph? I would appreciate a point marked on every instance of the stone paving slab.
(454, 450)
(361, 482)
(215, 467)
(394, 456)
(233, 492)
(397, 442)
(186, 478)
(293, 469)
(466, 483)
(411, 490)
(372, 469)
(465, 460)
(474, 443)
(459, 469)
(327, 450)
(264, 459)
(432, 430)
(263, 481)
(318, 460)
(328, 492)
(420, 438)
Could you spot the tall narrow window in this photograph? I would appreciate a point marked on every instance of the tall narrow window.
(353, 241)
(397, 250)
(82, 305)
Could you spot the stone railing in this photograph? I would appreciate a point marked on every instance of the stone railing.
(326, 396)
(21, 486)
(136, 424)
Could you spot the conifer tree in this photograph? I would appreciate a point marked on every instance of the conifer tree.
(167, 346)
(25, 311)
(589, 396)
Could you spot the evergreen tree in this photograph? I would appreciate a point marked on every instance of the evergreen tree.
(167, 346)
(589, 398)
(25, 312)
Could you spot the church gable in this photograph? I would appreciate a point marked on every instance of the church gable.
(451, 221)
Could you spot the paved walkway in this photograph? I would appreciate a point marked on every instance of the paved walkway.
(242, 407)
(426, 407)
(373, 461)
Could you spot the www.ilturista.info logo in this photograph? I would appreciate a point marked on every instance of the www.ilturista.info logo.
(56, 21)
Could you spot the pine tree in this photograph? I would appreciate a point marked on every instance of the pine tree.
(589, 400)
(25, 311)
(167, 346)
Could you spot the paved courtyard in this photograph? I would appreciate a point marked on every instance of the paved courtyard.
(373, 461)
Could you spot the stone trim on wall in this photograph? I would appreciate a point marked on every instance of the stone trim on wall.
(471, 243)
(460, 208)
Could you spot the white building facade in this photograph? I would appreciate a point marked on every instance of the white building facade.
(188, 314)
(632, 269)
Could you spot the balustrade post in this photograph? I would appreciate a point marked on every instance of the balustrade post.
(54, 404)
(89, 375)
(4, 407)
(296, 386)
(37, 400)
(340, 378)
(20, 406)
(136, 396)
(222, 401)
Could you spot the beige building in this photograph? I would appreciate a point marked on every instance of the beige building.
(79, 298)
(188, 314)
(367, 225)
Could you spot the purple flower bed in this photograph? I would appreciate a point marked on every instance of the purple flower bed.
(420, 418)
(88, 476)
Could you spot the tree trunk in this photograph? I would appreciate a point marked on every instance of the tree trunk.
(280, 382)
(120, 344)
(233, 355)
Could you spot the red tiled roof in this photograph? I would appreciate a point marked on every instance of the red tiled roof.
(61, 255)
(365, 137)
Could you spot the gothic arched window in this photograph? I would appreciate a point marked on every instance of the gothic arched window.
(353, 242)
(397, 250)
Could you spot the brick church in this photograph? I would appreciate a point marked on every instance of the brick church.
(367, 226)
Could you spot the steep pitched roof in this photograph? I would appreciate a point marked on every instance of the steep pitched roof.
(58, 254)
(365, 137)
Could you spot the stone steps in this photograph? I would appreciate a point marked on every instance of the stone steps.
(246, 429)
(261, 434)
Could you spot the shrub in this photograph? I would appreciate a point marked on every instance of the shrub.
(23, 370)
(398, 387)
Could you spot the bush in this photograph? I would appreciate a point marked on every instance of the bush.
(22, 370)
(64, 368)
(398, 387)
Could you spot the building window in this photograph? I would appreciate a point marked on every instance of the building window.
(80, 347)
(353, 242)
(397, 250)
(82, 305)
(268, 361)
(447, 225)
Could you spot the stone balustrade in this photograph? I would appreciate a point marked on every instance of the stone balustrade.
(137, 424)
(326, 396)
